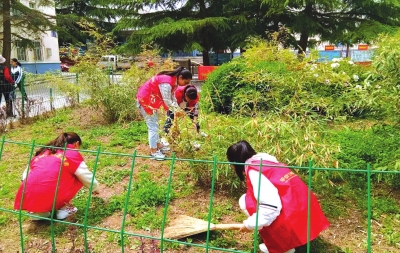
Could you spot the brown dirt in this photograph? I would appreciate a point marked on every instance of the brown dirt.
(347, 232)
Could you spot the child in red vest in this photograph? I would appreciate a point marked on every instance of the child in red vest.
(277, 199)
(43, 179)
(187, 98)
(159, 92)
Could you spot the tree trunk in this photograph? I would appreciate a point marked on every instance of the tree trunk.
(303, 42)
(206, 58)
(6, 31)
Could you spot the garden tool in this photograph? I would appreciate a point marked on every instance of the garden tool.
(185, 226)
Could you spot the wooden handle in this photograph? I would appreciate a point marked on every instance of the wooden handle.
(227, 227)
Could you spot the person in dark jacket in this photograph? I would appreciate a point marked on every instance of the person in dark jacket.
(6, 86)
(17, 76)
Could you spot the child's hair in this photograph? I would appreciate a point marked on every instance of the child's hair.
(59, 142)
(180, 71)
(239, 153)
(190, 91)
(16, 60)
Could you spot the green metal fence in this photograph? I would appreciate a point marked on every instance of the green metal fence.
(38, 95)
(123, 234)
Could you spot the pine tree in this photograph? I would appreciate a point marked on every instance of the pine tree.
(197, 24)
(27, 24)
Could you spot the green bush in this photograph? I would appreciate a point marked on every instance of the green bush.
(267, 79)
(377, 146)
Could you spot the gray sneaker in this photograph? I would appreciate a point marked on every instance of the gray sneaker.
(157, 155)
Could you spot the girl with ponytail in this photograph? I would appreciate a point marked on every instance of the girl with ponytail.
(157, 92)
(52, 171)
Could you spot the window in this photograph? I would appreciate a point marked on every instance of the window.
(54, 34)
(37, 51)
(48, 52)
(21, 52)
(32, 5)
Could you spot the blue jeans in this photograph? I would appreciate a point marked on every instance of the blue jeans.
(152, 126)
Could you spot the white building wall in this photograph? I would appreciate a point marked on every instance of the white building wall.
(49, 49)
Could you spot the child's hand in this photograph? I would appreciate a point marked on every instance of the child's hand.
(179, 113)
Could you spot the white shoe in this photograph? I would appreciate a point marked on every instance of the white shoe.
(65, 212)
(290, 251)
(164, 142)
(263, 248)
(157, 155)
(203, 134)
(196, 145)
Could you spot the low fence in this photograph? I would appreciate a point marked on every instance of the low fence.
(125, 232)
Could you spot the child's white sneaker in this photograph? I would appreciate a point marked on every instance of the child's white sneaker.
(164, 142)
(65, 212)
(157, 155)
(203, 134)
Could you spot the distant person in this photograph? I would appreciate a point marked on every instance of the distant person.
(277, 199)
(6, 87)
(41, 183)
(187, 98)
(159, 92)
(17, 76)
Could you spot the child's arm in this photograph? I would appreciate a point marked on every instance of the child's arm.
(270, 204)
(85, 176)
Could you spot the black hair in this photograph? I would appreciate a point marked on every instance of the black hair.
(59, 142)
(190, 91)
(16, 60)
(239, 153)
(180, 71)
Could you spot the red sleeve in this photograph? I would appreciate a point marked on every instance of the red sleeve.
(7, 75)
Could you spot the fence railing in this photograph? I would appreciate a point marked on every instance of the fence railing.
(124, 234)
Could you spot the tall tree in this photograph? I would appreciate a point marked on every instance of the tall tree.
(196, 24)
(336, 20)
(102, 13)
(27, 23)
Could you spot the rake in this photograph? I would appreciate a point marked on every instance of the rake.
(184, 226)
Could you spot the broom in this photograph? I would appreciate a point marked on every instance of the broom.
(185, 226)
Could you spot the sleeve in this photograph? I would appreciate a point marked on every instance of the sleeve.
(24, 174)
(20, 75)
(270, 202)
(169, 99)
(85, 176)
(7, 75)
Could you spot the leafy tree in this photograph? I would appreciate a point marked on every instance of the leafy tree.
(197, 24)
(337, 21)
(27, 24)
(102, 13)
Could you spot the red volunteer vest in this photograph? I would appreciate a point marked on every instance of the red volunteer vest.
(42, 180)
(179, 95)
(289, 230)
(149, 95)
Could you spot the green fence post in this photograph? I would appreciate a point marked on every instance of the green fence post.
(22, 199)
(23, 95)
(369, 206)
(89, 199)
(167, 200)
(2, 146)
(77, 83)
(211, 202)
(127, 201)
(53, 209)
(51, 99)
(309, 205)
